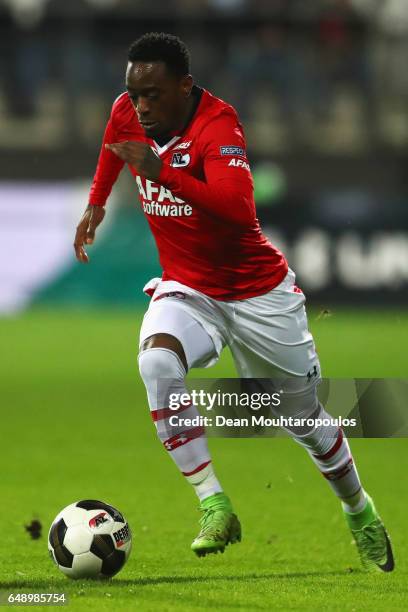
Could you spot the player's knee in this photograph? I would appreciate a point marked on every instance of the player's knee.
(157, 363)
(165, 341)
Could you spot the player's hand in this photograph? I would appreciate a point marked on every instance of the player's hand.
(85, 233)
(140, 155)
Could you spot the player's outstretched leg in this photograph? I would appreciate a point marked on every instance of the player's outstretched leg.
(330, 451)
(163, 374)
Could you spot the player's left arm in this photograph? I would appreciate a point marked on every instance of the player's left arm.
(226, 193)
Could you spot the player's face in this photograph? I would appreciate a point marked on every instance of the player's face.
(160, 98)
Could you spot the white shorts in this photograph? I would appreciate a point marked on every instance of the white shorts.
(267, 335)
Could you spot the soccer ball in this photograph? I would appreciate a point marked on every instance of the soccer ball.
(89, 539)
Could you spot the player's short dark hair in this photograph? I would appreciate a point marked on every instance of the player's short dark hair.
(161, 47)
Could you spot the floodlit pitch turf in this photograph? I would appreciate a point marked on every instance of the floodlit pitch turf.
(75, 425)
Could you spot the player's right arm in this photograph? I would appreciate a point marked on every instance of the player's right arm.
(107, 171)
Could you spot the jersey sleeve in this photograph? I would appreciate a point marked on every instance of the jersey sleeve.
(227, 191)
(107, 170)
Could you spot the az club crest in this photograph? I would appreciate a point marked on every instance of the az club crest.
(99, 520)
(180, 160)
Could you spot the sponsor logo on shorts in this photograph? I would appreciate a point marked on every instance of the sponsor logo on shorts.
(312, 373)
(232, 150)
(122, 536)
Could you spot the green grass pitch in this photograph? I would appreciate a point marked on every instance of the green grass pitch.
(75, 425)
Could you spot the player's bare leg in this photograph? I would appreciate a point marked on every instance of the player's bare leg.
(163, 367)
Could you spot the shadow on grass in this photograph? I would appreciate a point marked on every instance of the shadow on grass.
(64, 583)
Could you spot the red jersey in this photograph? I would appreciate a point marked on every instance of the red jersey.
(201, 209)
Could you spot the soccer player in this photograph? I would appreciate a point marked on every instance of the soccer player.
(223, 282)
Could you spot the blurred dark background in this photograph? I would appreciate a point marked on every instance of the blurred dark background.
(322, 90)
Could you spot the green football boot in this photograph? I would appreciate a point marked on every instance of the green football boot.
(372, 539)
(219, 526)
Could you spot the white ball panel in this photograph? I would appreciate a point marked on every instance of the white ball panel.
(72, 515)
(66, 570)
(86, 565)
(78, 539)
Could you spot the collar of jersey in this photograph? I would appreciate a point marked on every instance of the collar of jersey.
(160, 150)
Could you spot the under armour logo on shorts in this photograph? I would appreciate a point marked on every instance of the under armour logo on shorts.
(312, 373)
